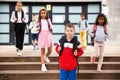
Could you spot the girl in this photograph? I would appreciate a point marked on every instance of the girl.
(45, 37)
(19, 19)
(99, 33)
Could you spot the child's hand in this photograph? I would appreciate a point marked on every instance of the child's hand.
(23, 20)
(50, 28)
(75, 53)
(59, 48)
(15, 19)
(37, 29)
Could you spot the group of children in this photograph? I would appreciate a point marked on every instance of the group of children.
(68, 48)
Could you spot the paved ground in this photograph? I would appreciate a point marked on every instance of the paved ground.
(10, 50)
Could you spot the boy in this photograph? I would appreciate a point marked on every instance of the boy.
(83, 26)
(19, 18)
(34, 32)
(68, 50)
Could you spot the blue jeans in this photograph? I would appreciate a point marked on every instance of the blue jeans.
(68, 75)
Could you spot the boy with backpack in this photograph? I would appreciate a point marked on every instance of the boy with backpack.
(83, 26)
(68, 50)
(34, 32)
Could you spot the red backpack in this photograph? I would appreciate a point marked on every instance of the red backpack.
(94, 31)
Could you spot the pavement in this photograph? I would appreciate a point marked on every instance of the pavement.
(10, 50)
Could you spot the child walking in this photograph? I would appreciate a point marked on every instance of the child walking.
(100, 34)
(83, 26)
(19, 19)
(68, 50)
(45, 37)
(34, 32)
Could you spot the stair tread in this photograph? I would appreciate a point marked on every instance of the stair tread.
(38, 63)
(52, 71)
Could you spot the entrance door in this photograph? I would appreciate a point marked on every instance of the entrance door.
(62, 14)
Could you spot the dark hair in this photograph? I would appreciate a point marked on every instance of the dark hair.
(82, 14)
(101, 15)
(47, 16)
(34, 14)
(70, 25)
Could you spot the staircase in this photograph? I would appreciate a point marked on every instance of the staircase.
(29, 68)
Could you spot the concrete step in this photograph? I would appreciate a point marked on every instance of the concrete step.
(54, 74)
(77, 79)
(52, 58)
(55, 66)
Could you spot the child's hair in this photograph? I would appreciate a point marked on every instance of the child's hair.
(70, 25)
(19, 2)
(105, 19)
(47, 16)
(82, 14)
(34, 14)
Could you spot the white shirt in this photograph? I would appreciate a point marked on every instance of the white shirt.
(19, 17)
(33, 27)
(44, 24)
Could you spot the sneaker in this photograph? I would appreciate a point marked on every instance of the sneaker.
(92, 60)
(19, 53)
(34, 48)
(47, 59)
(43, 68)
(99, 70)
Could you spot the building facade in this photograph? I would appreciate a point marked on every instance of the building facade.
(60, 13)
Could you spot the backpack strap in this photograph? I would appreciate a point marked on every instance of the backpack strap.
(16, 15)
(95, 29)
(79, 24)
(40, 23)
(86, 24)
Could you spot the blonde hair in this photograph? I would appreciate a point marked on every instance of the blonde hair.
(19, 2)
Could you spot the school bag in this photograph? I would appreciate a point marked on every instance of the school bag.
(16, 15)
(40, 23)
(94, 31)
(22, 16)
(79, 24)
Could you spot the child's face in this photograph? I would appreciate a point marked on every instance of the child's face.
(82, 17)
(101, 20)
(69, 32)
(34, 17)
(19, 6)
(43, 14)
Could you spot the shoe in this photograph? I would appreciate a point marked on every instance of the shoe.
(99, 70)
(47, 59)
(43, 68)
(34, 48)
(19, 53)
(92, 60)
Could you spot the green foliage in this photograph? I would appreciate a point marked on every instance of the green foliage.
(3, 77)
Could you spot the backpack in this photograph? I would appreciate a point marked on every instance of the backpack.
(16, 15)
(22, 16)
(40, 23)
(79, 24)
(75, 44)
(94, 31)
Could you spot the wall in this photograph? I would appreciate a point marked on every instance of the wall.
(114, 22)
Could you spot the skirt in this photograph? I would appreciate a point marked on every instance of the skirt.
(45, 39)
